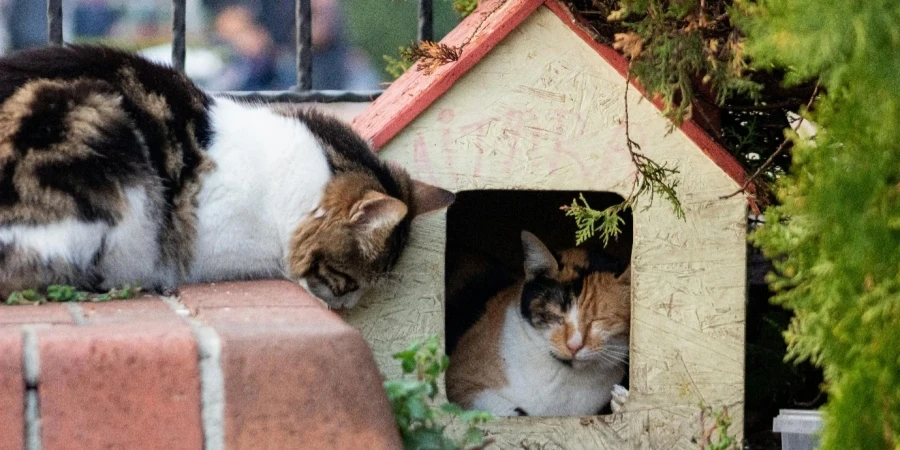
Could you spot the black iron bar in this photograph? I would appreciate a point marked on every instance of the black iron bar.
(304, 45)
(178, 34)
(307, 96)
(426, 21)
(54, 22)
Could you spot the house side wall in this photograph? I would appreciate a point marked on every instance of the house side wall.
(544, 111)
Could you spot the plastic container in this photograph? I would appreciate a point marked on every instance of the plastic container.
(799, 428)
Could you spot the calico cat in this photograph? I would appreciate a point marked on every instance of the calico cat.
(116, 170)
(554, 343)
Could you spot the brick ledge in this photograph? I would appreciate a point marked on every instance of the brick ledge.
(228, 365)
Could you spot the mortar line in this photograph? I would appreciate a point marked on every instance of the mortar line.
(77, 313)
(212, 378)
(31, 368)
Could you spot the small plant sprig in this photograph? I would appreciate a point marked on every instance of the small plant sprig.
(423, 424)
(64, 293)
(651, 178)
(591, 221)
(719, 428)
(429, 55)
(656, 179)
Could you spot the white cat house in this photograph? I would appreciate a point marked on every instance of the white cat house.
(534, 103)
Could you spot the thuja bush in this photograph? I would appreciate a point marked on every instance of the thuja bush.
(835, 237)
(834, 232)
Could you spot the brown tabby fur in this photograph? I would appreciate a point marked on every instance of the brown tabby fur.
(84, 127)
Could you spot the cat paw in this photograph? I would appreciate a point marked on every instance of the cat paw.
(168, 291)
(620, 397)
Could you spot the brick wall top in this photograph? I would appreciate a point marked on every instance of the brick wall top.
(229, 365)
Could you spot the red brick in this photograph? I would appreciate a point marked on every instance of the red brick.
(300, 378)
(52, 313)
(312, 317)
(146, 309)
(12, 390)
(246, 293)
(120, 386)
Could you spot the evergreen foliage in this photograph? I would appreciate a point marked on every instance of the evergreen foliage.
(674, 43)
(835, 238)
(836, 234)
(423, 424)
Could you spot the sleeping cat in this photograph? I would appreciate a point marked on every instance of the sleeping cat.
(554, 343)
(115, 170)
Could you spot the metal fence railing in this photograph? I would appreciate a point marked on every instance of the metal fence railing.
(302, 92)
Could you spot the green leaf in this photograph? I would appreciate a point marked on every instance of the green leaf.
(424, 439)
(20, 298)
(408, 365)
(61, 293)
(415, 406)
(475, 416)
(451, 408)
(474, 437)
(421, 423)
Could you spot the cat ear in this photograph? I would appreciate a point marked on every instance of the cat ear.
(377, 211)
(427, 198)
(625, 278)
(538, 259)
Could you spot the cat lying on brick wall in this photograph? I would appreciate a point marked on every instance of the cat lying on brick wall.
(115, 170)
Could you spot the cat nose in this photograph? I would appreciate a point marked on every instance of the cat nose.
(574, 344)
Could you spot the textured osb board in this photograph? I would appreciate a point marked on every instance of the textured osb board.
(544, 111)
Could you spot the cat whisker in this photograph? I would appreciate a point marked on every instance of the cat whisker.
(612, 358)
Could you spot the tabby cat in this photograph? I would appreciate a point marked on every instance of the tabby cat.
(116, 170)
(554, 343)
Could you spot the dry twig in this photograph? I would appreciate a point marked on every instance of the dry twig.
(431, 55)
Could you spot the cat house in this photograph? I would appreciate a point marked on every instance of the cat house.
(535, 104)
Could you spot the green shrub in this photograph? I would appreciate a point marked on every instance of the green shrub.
(835, 238)
(424, 424)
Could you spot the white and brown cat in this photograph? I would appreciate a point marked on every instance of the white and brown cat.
(115, 170)
(554, 343)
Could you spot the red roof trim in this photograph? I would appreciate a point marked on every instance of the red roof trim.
(414, 91)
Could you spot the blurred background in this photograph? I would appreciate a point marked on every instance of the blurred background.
(239, 44)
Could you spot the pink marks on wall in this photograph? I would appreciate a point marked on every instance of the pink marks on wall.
(424, 167)
(445, 115)
(515, 118)
(459, 145)
(478, 130)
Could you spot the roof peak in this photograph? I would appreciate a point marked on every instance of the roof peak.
(478, 34)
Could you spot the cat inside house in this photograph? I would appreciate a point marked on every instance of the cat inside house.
(116, 170)
(541, 333)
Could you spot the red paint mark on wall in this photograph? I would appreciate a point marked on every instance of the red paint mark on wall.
(478, 130)
(561, 149)
(445, 115)
(447, 147)
(424, 168)
(516, 119)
